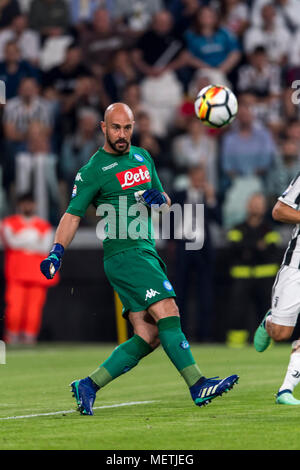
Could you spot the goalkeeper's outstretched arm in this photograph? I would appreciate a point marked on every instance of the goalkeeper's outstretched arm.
(65, 233)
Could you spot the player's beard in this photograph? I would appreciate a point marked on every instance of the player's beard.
(114, 145)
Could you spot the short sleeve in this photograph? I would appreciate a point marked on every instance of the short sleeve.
(86, 186)
(156, 183)
(291, 195)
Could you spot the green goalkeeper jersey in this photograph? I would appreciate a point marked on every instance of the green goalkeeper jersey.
(113, 179)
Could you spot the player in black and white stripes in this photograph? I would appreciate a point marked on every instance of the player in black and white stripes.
(280, 320)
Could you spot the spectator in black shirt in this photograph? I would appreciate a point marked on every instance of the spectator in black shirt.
(63, 77)
(157, 47)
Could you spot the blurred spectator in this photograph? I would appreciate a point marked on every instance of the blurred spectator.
(82, 12)
(234, 14)
(8, 10)
(253, 263)
(132, 97)
(19, 113)
(13, 69)
(136, 15)
(287, 166)
(27, 40)
(49, 17)
(196, 262)
(263, 79)
(275, 38)
(184, 12)
(27, 239)
(24, 109)
(144, 137)
(210, 44)
(287, 13)
(36, 171)
(157, 47)
(120, 72)
(100, 41)
(63, 78)
(292, 132)
(248, 148)
(196, 147)
(78, 148)
(88, 93)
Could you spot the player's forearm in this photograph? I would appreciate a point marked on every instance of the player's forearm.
(286, 214)
(66, 229)
(167, 198)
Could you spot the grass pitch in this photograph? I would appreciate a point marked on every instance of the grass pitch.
(35, 381)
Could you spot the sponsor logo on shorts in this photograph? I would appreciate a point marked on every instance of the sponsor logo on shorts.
(168, 285)
(184, 344)
(138, 157)
(74, 191)
(134, 177)
(151, 293)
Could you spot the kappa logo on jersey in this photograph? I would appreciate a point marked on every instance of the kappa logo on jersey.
(134, 177)
(78, 177)
(151, 293)
(112, 165)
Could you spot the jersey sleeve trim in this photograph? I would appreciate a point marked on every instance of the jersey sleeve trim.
(72, 211)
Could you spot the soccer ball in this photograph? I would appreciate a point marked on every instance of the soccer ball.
(216, 106)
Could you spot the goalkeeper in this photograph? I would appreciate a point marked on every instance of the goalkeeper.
(131, 264)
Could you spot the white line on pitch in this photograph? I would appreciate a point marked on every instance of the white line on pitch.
(117, 405)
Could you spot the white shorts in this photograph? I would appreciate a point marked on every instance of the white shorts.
(286, 296)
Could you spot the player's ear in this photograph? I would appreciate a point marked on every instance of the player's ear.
(103, 126)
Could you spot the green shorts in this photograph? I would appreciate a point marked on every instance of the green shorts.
(139, 277)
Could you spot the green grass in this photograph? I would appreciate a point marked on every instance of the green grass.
(36, 381)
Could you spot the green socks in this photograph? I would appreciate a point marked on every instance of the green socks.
(128, 354)
(123, 358)
(178, 349)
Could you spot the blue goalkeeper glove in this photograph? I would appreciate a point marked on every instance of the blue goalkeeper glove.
(153, 197)
(52, 263)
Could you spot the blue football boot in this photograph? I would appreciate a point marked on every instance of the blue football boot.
(205, 390)
(84, 391)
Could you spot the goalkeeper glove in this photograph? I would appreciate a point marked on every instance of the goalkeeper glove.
(50, 265)
(152, 197)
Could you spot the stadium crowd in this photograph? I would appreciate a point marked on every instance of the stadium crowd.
(64, 61)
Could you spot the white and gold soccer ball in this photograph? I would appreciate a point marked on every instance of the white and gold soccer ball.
(216, 106)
